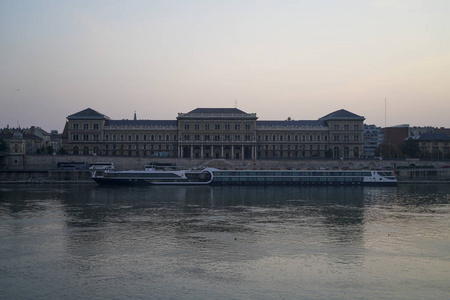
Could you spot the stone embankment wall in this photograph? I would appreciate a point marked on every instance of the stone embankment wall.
(51, 176)
(424, 175)
(49, 162)
(36, 168)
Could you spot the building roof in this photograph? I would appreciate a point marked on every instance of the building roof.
(140, 123)
(10, 136)
(341, 114)
(216, 111)
(86, 114)
(432, 136)
(303, 123)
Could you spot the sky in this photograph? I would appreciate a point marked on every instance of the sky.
(386, 60)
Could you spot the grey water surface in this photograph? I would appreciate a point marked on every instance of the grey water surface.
(89, 242)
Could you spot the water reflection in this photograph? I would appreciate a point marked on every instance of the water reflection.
(223, 242)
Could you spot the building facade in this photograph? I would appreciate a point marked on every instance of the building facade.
(221, 133)
(373, 137)
(434, 145)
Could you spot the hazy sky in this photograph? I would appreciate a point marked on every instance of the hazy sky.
(279, 59)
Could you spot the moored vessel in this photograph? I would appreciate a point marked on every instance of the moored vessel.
(154, 175)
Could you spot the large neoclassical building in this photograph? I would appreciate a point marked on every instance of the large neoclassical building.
(223, 133)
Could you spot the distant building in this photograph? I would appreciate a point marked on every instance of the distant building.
(35, 139)
(226, 133)
(373, 138)
(395, 135)
(433, 145)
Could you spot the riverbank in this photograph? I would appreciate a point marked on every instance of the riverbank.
(42, 169)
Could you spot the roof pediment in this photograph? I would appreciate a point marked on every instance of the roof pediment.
(222, 113)
(216, 111)
(341, 114)
(88, 113)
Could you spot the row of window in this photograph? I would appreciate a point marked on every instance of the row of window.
(197, 126)
(226, 126)
(114, 137)
(435, 149)
(85, 137)
(435, 143)
(288, 179)
(346, 127)
(345, 138)
(96, 150)
(85, 126)
(143, 147)
(207, 137)
(145, 137)
(288, 147)
(132, 150)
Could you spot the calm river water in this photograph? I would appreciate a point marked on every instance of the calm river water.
(89, 242)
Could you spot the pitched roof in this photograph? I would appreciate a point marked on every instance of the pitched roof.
(216, 111)
(88, 113)
(140, 123)
(341, 114)
(302, 123)
(432, 136)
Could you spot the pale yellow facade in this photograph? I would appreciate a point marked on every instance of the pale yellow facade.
(208, 133)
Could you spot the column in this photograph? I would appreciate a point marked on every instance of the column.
(192, 151)
(222, 152)
(201, 151)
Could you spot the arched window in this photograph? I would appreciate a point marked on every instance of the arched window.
(356, 152)
(346, 152)
(85, 150)
(75, 150)
(336, 152)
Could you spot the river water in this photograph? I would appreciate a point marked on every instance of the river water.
(89, 242)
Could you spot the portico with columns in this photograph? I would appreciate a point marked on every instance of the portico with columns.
(224, 133)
